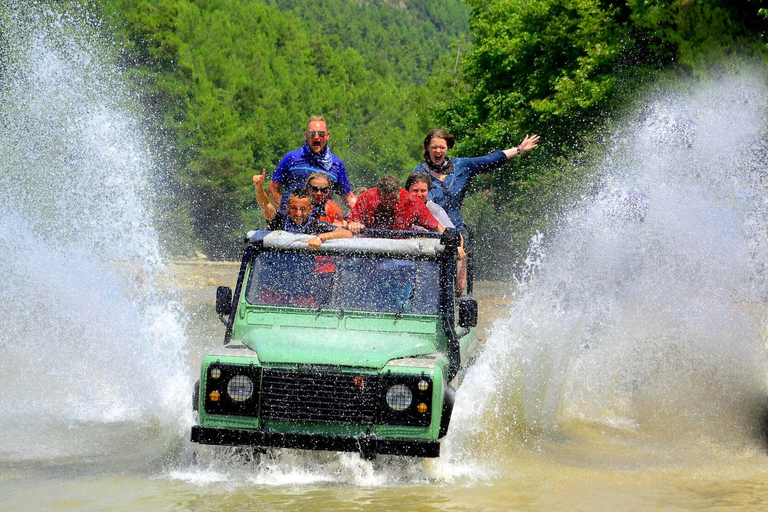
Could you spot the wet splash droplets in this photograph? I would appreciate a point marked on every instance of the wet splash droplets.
(647, 316)
(86, 339)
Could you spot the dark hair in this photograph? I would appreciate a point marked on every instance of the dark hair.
(450, 141)
(418, 177)
(388, 185)
(299, 193)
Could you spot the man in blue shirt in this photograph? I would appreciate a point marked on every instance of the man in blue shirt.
(295, 168)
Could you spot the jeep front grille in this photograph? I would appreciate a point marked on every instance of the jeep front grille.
(324, 397)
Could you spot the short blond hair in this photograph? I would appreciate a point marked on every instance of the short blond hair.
(320, 175)
(319, 119)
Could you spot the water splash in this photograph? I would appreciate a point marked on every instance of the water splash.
(648, 314)
(85, 338)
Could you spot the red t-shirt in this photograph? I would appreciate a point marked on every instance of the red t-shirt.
(409, 210)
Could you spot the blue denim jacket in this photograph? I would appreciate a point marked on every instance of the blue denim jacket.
(450, 193)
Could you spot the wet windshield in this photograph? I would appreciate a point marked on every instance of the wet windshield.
(344, 282)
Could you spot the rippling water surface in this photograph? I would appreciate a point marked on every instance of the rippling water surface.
(628, 373)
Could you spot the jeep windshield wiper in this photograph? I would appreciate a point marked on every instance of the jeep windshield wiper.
(406, 300)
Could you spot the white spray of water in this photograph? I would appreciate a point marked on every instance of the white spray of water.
(647, 314)
(84, 337)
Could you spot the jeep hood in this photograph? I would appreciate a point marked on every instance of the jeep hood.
(282, 343)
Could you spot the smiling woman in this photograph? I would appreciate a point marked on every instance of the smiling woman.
(323, 208)
(451, 177)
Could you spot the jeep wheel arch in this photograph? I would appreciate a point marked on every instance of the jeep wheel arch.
(449, 397)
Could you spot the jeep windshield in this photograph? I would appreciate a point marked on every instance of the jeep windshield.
(344, 282)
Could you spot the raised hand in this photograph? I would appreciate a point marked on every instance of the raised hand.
(258, 179)
(529, 142)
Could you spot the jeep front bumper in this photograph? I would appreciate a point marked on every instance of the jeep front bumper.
(367, 445)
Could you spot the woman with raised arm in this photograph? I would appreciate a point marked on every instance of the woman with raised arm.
(451, 176)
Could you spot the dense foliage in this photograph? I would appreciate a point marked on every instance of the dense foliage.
(235, 80)
(561, 68)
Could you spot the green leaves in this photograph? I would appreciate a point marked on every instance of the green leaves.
(560, 68)
(236, 81)
(537, 64)
(551, 65)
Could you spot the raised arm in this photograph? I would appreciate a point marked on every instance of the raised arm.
(261, 197)
(487, 163)
(529, 142)
(275, 194)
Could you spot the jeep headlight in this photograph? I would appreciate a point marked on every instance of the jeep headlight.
(240, 388)
(399, 397)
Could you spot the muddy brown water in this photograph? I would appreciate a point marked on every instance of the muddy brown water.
(587, 467)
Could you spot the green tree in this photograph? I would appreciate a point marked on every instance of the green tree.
(234, 83)
(561, 68)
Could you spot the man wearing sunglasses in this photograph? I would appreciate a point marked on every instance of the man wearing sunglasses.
(295, 168)
(297, 219)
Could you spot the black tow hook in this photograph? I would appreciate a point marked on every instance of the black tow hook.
(367, 445)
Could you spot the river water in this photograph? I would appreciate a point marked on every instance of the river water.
(625, 371)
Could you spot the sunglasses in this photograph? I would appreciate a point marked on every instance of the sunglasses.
(319, 133)
(324, 190)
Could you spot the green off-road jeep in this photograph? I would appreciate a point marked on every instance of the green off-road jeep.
(356, 347)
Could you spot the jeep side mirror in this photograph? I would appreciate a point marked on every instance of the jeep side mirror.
(223, 300)
(468, 313)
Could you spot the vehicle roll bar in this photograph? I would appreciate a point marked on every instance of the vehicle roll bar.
(397, 233)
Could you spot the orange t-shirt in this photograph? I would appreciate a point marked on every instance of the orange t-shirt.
(330, 214)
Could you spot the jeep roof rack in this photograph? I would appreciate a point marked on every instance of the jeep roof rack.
(406, 247)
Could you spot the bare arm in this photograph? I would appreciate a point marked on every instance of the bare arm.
(317, 240)
(275, 194)
(355, 226)
(261, 197)
(529, 142)
(355, 217)
(350, 200)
